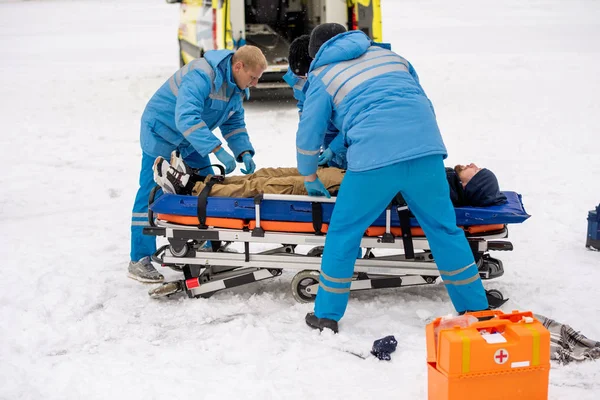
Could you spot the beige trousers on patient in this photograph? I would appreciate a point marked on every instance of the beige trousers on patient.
(271, 181)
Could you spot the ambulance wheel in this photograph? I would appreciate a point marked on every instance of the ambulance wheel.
(301, 281)
(315, 251)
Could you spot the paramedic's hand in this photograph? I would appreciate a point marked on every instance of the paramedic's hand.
(316, 188)
(326, 156)
(227, 160)
(248, 163)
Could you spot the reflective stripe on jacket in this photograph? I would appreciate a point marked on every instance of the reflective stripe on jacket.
(373, 96)
(332, 138)
(198, 98)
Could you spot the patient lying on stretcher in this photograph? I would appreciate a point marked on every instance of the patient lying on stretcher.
(469, 185)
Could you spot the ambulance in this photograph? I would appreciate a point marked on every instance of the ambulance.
(270, 25)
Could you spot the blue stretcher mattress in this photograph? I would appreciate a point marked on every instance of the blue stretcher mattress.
(511, 212)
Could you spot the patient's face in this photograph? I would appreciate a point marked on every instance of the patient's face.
(466, 172)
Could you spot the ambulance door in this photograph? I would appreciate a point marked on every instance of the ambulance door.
(365, 15)
(334, 11)
(189, 13)
(236, 29)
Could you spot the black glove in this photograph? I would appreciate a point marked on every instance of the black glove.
(383, 347)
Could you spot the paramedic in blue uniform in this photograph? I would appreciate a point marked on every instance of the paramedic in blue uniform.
(205, 94)
(334, 150)
(373, 96)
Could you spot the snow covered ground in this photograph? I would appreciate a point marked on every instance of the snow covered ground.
(515, 85)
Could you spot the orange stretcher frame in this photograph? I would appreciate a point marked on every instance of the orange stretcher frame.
(304, 227)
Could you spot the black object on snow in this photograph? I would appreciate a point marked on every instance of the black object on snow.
(382, 348)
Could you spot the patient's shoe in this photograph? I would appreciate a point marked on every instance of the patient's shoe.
(168, 178)
(144, 271)
(178, 163)
(321, 323)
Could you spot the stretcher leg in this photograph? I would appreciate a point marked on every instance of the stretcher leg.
(305, 285)
(205, 273)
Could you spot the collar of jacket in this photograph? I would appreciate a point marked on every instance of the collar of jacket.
(220, 61)
(234, 85)
(345, 46)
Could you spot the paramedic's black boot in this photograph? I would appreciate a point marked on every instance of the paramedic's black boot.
(494, 298)
(321, 323)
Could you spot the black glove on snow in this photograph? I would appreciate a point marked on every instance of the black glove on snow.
(383, 347)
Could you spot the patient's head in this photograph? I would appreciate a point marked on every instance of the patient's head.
(480, 185)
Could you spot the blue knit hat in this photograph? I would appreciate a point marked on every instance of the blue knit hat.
(298, 57)
(483, 190)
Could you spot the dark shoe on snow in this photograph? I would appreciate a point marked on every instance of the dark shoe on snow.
(321, 323)
(495, 300)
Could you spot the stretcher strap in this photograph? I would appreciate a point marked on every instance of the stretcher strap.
(150, 201)
(404, 217)
(203, 200)
(317, 217)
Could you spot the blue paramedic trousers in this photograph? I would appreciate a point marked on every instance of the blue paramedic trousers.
(145, 245)
(362, 198)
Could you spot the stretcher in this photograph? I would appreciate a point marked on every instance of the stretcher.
(287, 221)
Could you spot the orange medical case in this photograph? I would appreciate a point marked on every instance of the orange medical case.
(506, 357)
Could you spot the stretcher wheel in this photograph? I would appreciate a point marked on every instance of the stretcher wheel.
(179, 251)
(495, 293)
(315, 251)
(301, 281)
(490, 268)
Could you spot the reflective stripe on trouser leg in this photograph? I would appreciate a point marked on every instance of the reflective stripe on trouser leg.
(142, 245)
(425, 189)
(361, 199)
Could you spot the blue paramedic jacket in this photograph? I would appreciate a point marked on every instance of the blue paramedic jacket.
(374, 98)
(198, 98)
(332, 138)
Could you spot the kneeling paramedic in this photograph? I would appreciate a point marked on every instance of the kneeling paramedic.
(373, 96)
(334, 153)
(203, 95)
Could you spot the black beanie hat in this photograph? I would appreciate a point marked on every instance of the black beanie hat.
(298, 58)
(321, 34)
(483, 190)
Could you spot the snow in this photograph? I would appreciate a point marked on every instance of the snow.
(515, 88)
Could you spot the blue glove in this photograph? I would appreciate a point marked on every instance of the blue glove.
(316, 188)
(227, 160)
(248, 163)
(326, 156)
